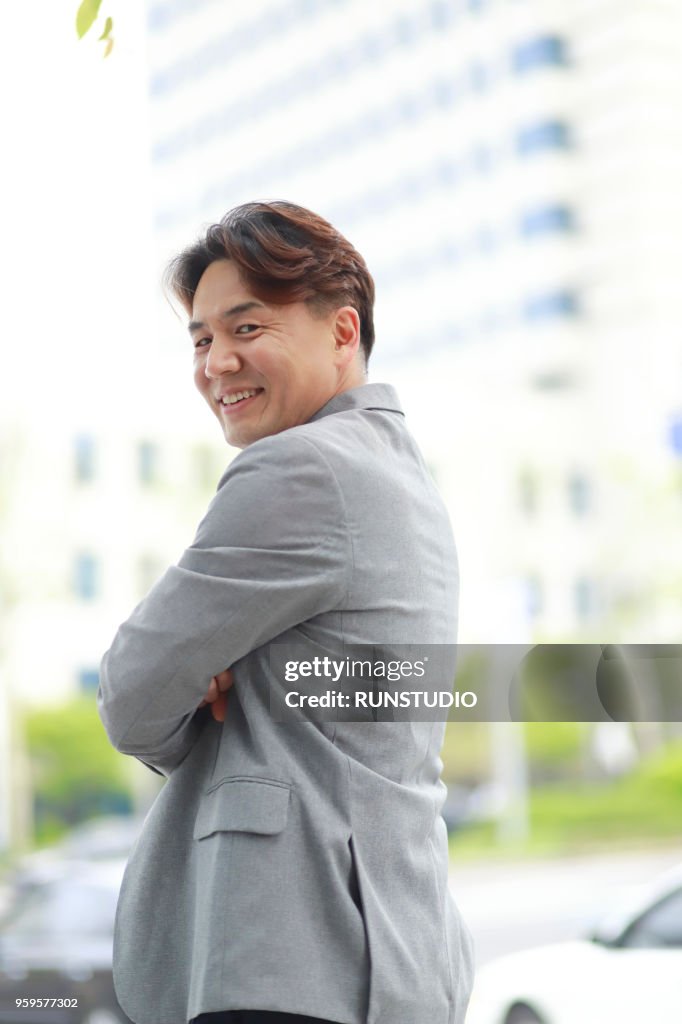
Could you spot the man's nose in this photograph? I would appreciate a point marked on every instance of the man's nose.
(222, 358)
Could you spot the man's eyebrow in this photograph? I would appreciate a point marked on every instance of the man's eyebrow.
(241, 307)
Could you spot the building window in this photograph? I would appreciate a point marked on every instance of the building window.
(405, 30)
(485, 240)
(157, 19)
(579, 494)
(534, 597)
(410, 108)
(542, 51)
(676, 435)
(206, 469)
(85, 576)
(147, 463)
(442, 14)
(84, 458)
(542, 135)
(444, 92)
(88, 679)
(373, 48)
(553, 380)
(478, 76)
(446, 173)
(584, 599)
(550, 306)
(482, 160)
(541, 220)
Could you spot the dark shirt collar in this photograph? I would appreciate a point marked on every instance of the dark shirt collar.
(367, 396)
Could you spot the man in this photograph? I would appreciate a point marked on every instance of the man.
(288, 872)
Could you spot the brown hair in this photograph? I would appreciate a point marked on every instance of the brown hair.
(285, 254)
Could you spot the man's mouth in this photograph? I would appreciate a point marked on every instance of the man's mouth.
(237, 398)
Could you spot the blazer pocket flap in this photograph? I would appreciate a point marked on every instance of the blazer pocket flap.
(243, 805)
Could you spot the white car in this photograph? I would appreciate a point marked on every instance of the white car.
(628, 972)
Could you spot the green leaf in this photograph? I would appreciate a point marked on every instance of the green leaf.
(108, 25)
(109, 47)
(87, 12)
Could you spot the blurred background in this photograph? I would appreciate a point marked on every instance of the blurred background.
(510, 170)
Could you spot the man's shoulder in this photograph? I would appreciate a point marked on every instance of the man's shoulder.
(329, 450)
(293, 461)
(277, 451)
(278, 486)
(317, 441)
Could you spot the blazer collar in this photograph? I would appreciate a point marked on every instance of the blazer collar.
(367, 396)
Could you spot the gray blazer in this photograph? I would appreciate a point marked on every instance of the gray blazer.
(296, 868)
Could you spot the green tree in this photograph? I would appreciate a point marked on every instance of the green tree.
(75, 772)
(86, 16)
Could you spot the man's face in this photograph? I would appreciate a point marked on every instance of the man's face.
(263, 368)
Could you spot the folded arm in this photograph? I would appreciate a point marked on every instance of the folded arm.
(272, 551)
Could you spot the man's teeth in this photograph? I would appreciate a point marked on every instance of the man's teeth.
(238, 396)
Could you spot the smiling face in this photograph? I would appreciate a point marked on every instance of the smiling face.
(264, 368)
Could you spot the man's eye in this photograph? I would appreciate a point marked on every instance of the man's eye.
(246, 328)
(201, 342)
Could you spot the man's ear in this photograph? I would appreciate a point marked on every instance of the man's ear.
(346, 329)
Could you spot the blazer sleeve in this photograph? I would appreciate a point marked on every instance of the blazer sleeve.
(272, 551)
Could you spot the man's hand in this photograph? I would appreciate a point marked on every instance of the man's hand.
(217, 694)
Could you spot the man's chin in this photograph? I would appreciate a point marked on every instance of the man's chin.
(235, 442)
(243, 438)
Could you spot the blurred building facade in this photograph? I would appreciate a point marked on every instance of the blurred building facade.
(509, 170)
(118, 507)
